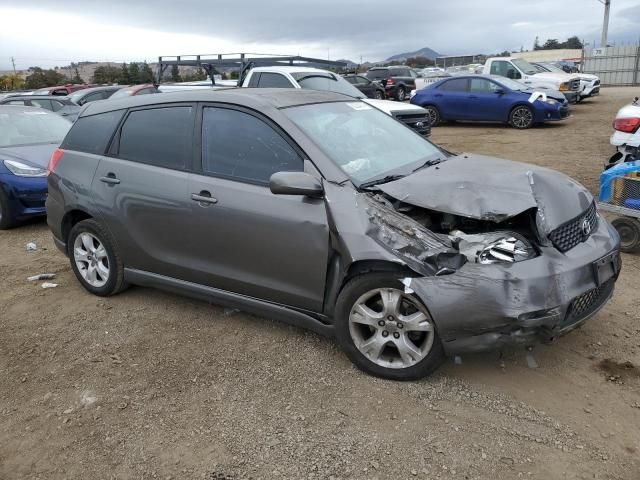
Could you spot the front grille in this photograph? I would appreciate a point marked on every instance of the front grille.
(575, 231)
(584, 305)
(417, 121)
(564, 112)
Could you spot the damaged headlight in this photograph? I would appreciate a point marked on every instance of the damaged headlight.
(498, 247)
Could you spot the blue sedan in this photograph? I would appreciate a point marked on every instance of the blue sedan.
(488, 99)
(28, 137)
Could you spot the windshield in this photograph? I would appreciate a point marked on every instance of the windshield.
(552, 68)
(31, 127)
(326, 82)
(525, 66)
(366, 143)
(123, 92)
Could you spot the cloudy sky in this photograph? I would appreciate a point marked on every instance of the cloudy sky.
(49, 33)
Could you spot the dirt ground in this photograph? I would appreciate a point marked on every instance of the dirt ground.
(151, 385)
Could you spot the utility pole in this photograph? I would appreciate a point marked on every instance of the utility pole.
(13, 62)
(605, 22)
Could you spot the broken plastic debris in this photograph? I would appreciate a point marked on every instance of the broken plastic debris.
(42, 276)
(538, 95)
(49, 285)
(31, 247)
(230, 311)
(407, 285)
(531, 360)
(457, 360)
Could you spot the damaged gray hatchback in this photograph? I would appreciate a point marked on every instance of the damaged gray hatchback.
(321, 211)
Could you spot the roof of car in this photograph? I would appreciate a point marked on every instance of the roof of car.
(98, 89)
(23, 109)
(33, 97)
(249, 97)
(288, 69)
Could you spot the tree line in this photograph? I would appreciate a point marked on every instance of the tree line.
(553, 44)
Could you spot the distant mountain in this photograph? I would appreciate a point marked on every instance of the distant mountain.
(423, 52)
(350, 63)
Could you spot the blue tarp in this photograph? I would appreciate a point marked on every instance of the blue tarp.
(606, 183)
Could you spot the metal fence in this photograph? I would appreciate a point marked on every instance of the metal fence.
(616, 66)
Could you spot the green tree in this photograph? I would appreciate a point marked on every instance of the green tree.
(536, 43)
(11, 81)
(76, 79)
(572, 42)
(175, 74)
(40, 78)
(146, 74)
(551, 44)
(124, 79)
(106, 74)
(134, 73)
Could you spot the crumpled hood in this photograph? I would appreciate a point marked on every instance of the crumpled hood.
(36, 155)
(489, 188)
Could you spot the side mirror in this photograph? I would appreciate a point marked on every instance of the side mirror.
(499, 91)
(295, 183)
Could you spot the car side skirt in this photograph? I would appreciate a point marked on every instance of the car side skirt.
(230, 299)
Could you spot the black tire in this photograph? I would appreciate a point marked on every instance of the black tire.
(379, 95)
(115, 281)
(349, 295)
(401, 94)
(434, 115)
(521, 117)
(629, 230)
(7, 219)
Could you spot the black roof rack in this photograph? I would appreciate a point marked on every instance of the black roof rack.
(242, 61)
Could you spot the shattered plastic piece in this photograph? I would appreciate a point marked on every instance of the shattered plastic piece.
(227, 312)
(457, 360)
(538, 96)
(407, 285)
(31, 247)
(42, 276)
(531, 360)
(49, 285)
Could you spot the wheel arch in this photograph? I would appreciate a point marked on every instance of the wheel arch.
(71, 218)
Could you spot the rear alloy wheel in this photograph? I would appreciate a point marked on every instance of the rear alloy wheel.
(385, 331)
(629, 230)
(521, 117)
(434, 115)
(379, 95)
(94, 259)
(401, 94)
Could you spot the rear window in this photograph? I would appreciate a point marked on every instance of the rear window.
(92, 134)
(273, 80)
(158, 136)
(377, 74)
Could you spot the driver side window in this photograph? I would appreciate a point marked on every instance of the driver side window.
(240, 146)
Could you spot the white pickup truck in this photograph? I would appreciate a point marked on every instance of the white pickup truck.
(316, 79)
(524, 72)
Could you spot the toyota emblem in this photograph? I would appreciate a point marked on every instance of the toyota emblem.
(586, 227)
(419, 124)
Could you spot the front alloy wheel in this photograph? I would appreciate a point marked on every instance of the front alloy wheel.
(390, 329)
(384, 330)
(91, 259)
(521, 117)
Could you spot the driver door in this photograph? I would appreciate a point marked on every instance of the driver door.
(246, 239)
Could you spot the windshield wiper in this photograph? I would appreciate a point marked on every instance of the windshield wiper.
(429, 163)
(378, 181)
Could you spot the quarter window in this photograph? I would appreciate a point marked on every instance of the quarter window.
(273, 80)
(92, 134)
(238, 145)
(158, 136)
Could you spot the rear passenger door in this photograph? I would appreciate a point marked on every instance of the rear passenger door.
(141, 188)
(243, 238)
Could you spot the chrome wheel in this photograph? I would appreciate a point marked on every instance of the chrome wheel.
(522, 117)
(434, 117)
(401, 94)
(390, 328)
(91, 259)
(379, 95)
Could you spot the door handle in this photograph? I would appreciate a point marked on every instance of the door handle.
(204, 197)
(110, 179)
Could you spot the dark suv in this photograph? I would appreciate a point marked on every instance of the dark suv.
(317, 209)
(397, 81)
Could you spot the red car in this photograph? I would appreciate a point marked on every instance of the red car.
(135, 90)
(61, 90)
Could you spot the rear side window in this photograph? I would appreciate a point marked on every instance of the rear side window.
(92, 134)
(377, 74)
(273, 80)
(158, 136)
(241, 146)
(455, 85)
